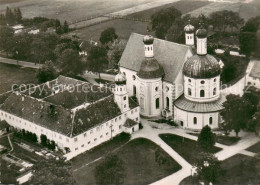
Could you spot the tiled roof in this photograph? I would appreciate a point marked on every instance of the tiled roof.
(255, 72)
(130, 123)
(171, 56)
(132, 104)
(82, 94)
(4, 96)
(95, 114)
(39, 112)
(199, 107)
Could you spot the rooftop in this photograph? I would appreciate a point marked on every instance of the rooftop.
(129, 123)
(171, 56)
(190, 106)
(3, 125)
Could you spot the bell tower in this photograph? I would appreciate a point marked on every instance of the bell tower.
(120, 92)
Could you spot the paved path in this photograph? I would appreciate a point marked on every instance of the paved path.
(20, 63)
(152, 130)
(10, 142)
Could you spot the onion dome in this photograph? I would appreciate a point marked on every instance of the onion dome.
(120, 78)
(198, 66)
(148, 39)
(150, 68)
(201, 33)
(189, 28)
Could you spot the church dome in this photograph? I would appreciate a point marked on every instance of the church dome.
(120, 78)
(201, 33)
(189, 28)
(150, 68)
(148, 39)
(198, 66)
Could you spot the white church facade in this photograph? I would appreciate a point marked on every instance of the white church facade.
(172, 80)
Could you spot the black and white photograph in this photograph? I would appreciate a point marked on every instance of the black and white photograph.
(130, 92)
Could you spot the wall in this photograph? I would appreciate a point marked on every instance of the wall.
(202, 119)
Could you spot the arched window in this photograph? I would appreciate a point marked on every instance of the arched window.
(189, 80)
(215, 80)
(189, 91)
(214, 91)
(134, 77)
(210, 120)
(157, 103)
(194, 120)
(202, 93)
(134, 90)
(156, 89)
(151, 48)
(148, 49)
(167, 102)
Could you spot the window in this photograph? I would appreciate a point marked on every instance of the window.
(124, 97)
(157, 103)
(120, 126)
(202, 82)
(101, 136)
(167, 88)
(156, 89)
(85, 134)
(189, 91)
(82, 145)
(91, 131)
(95, 139)
(210, 120)
(134, 90)
(134, 77)
(76, 149)
(194, 120)
(120, 117)
(215, 80)
(89, 142)
(123, 73)
(189, 80)
(202, 93)
(214, 91)
(167, 102)
(107, 133)
(132, 111)
(124, 105)
(75, 139)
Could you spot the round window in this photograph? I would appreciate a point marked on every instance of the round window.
(202, 82)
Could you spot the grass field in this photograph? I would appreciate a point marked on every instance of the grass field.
(191, 150)
(255, 148)
(139, 158)
(67, 9)
(239, 169)
(11, 74)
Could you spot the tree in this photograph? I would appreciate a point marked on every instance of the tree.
(208, 168)
(163, 20)
(236, 112)
(229, 71)
(10, 19)
(247, 42)
(252, 25)
(206, 139)
(43, 140)
(108, 35)
(115, 52)
(47, 72)
(18, 15)
(22, 46)
(52, 171)
(110, 171)
(65, 27)
(69, 63)
(97, 59)
(6, 38)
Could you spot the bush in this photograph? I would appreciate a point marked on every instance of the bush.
(206, 139)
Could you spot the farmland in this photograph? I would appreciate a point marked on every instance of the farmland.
(67, 9)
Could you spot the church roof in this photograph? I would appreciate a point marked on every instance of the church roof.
(150, 68)
(205, 66)
(199, 107)
(171, 56)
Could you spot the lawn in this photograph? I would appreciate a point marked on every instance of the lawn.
(255, 148)
(4, 142)
(186, 148)
(9, 172)
(141, 168)
(239, 169)
(225, 140)
(11, 74)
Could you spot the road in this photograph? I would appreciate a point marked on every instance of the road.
(20, 63)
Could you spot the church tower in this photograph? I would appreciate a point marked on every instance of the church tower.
(120, 92)
(189, 34)
(201, 41)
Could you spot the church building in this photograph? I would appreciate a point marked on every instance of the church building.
(174, 81)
